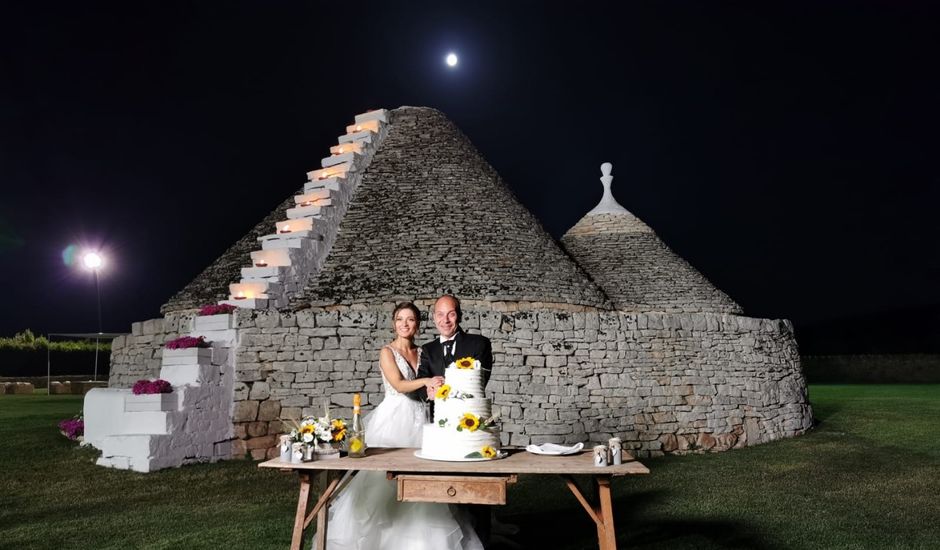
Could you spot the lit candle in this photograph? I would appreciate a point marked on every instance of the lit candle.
(284, 229)
(358, 127)
(261, 263)
(341, 150)
(306, 203)
(240, 296)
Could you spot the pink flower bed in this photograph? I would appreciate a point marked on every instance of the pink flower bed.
(216, 309)
(147, 387)
(186, 342)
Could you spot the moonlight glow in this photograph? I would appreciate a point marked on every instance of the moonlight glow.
(451, 59)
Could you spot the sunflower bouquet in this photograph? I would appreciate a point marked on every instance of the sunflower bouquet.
(311, 431)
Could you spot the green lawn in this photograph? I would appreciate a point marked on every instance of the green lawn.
(867, 477)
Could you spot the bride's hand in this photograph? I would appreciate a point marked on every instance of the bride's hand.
(433, 382)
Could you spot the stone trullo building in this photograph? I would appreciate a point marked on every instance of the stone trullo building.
(609, 334)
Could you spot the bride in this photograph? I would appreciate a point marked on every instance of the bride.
(367, 515)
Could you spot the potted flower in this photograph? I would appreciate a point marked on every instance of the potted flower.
(150, 395)
(318, 438)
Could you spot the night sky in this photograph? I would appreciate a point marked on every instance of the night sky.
(789, 152)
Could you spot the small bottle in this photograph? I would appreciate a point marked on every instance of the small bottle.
(357, 432)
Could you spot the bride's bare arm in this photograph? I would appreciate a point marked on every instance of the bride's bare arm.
(394, 377)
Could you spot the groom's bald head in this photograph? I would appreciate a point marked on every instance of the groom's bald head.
(447, 315)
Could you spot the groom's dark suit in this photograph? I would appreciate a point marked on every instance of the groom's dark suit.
(466, 345)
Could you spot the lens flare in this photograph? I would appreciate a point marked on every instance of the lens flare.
(68, 255)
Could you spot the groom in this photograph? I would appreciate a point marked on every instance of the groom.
(452, 343)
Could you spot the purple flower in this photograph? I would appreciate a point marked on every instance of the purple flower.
(72, 428)
(217, 309)
(147, 387)
(186, 342)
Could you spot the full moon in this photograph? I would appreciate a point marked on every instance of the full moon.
(451, 59)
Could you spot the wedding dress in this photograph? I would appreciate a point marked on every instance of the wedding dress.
(367, 515)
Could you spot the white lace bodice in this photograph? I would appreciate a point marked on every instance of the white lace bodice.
(407, 373)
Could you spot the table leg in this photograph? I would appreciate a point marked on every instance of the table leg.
(602, 515)
(607, 538)
(330, 484)
(302, 502)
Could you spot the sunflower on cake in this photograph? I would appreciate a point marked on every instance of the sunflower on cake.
(464, 426)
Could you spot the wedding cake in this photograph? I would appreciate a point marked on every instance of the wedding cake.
(464, 427)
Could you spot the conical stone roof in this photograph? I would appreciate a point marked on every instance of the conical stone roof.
(431, 215)
(626, 258)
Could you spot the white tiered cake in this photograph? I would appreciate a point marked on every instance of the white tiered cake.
(460, 430)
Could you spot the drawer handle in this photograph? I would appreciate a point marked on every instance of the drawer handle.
(451, 491)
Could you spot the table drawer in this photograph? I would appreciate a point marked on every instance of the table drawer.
(453, 489)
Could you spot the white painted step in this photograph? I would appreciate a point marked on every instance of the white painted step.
(353, 158)
(270, 272)
(272, 258)
(360, 147)
(338, 171)
(380, 115)
(364, 126)
(364, 135)
(247, 303)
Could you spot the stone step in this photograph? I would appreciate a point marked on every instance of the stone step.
(350, 137)
(270, 272)
(252, 290)
(329, 184)
(292, 226)
(284, 241)
(353, 158)
(271, 258)
(315, 197)
(189, 375)
(338, 171)
(190, 356)
(380, 115)
(316, 211)
(203, 323)
(361, 147)
(247, 303)
(364, 126)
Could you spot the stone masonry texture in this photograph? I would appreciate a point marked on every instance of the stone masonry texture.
(637, 270)
(430, 215)
(622, 338)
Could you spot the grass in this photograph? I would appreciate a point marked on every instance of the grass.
(866, 477)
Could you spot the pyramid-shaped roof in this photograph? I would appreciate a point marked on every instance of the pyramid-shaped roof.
(431, 215)
(634, 267)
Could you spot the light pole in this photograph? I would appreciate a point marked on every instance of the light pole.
(93, 261)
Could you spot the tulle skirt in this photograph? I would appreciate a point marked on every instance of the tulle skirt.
(367, 515)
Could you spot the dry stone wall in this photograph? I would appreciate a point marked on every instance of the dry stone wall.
(137, 355)
(431, 215)
(661, 382)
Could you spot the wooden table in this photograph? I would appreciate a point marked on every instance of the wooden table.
(483, 482)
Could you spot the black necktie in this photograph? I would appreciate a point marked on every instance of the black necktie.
(448, 352)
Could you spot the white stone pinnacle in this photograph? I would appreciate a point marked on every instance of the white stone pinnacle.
(608, 204)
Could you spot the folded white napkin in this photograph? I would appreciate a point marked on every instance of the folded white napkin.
(555, 449)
